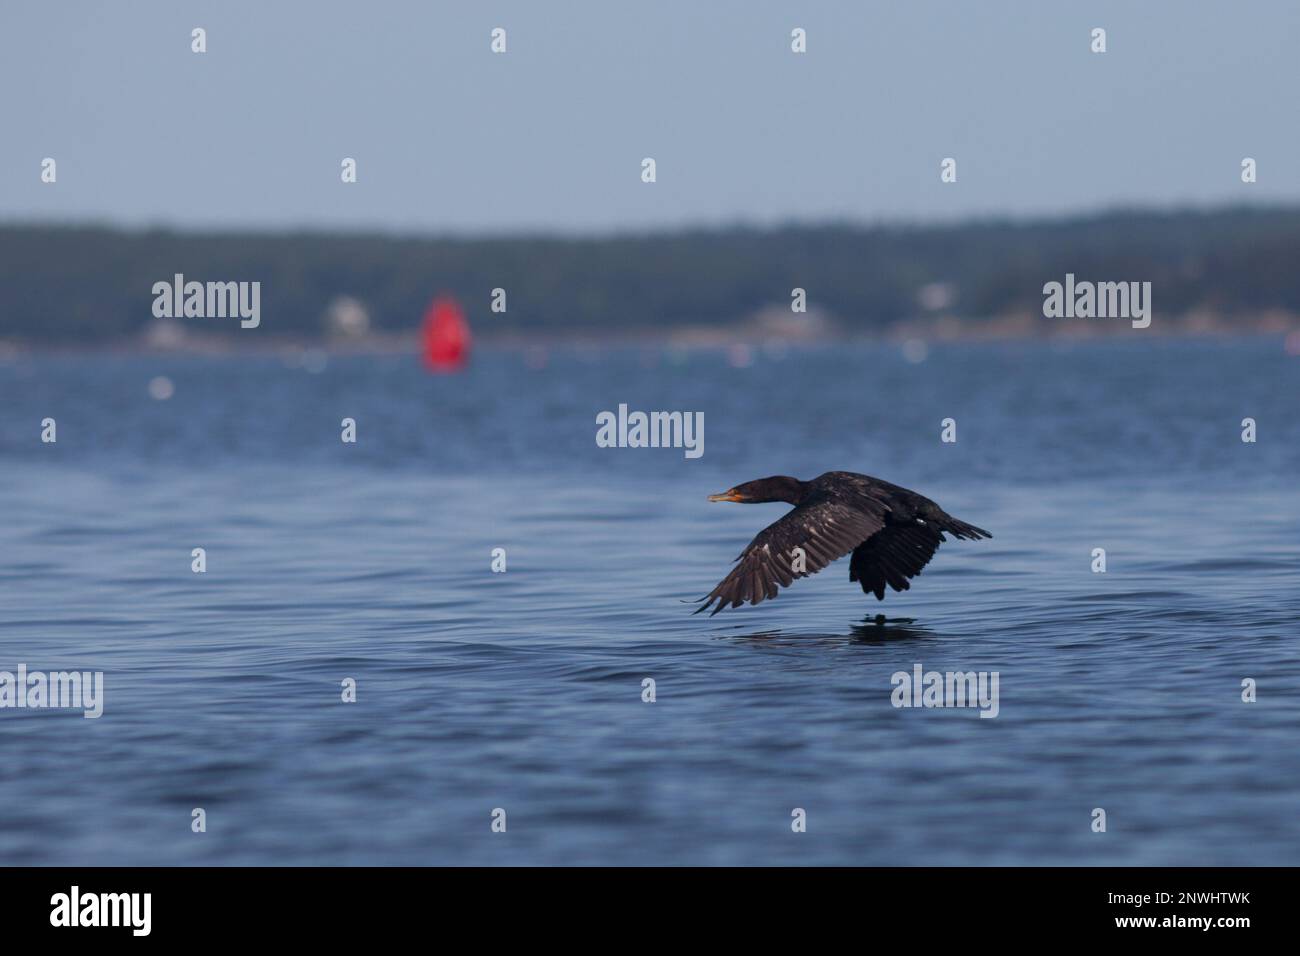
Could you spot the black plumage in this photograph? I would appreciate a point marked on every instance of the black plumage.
(891, 532)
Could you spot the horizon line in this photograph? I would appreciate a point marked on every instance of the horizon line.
(737, 226)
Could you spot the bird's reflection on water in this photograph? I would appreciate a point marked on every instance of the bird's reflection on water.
(874, 630)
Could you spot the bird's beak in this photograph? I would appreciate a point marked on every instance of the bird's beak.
(727, 496)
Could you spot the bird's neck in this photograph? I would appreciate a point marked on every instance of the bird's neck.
(797, 493)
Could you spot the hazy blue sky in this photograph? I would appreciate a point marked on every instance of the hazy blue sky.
(450, 137)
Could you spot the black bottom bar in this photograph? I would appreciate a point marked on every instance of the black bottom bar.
(336, 905)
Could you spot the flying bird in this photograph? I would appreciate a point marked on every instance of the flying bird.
(891, 532)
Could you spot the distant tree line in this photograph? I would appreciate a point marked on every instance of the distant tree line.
(93, 284)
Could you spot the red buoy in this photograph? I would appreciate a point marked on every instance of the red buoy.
(446, 336)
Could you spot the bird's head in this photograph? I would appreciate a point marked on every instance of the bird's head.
(776, 488)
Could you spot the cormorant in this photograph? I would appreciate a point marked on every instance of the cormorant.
(891, 531)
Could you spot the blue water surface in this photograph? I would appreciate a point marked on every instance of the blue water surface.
(523, 690)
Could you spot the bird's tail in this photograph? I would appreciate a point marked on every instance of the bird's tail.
(960, 529)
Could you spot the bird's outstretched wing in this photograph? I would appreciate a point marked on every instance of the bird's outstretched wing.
(899, 551)
(893, 555)
(825, 530)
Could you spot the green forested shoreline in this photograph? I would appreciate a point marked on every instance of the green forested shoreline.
(89, 284)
